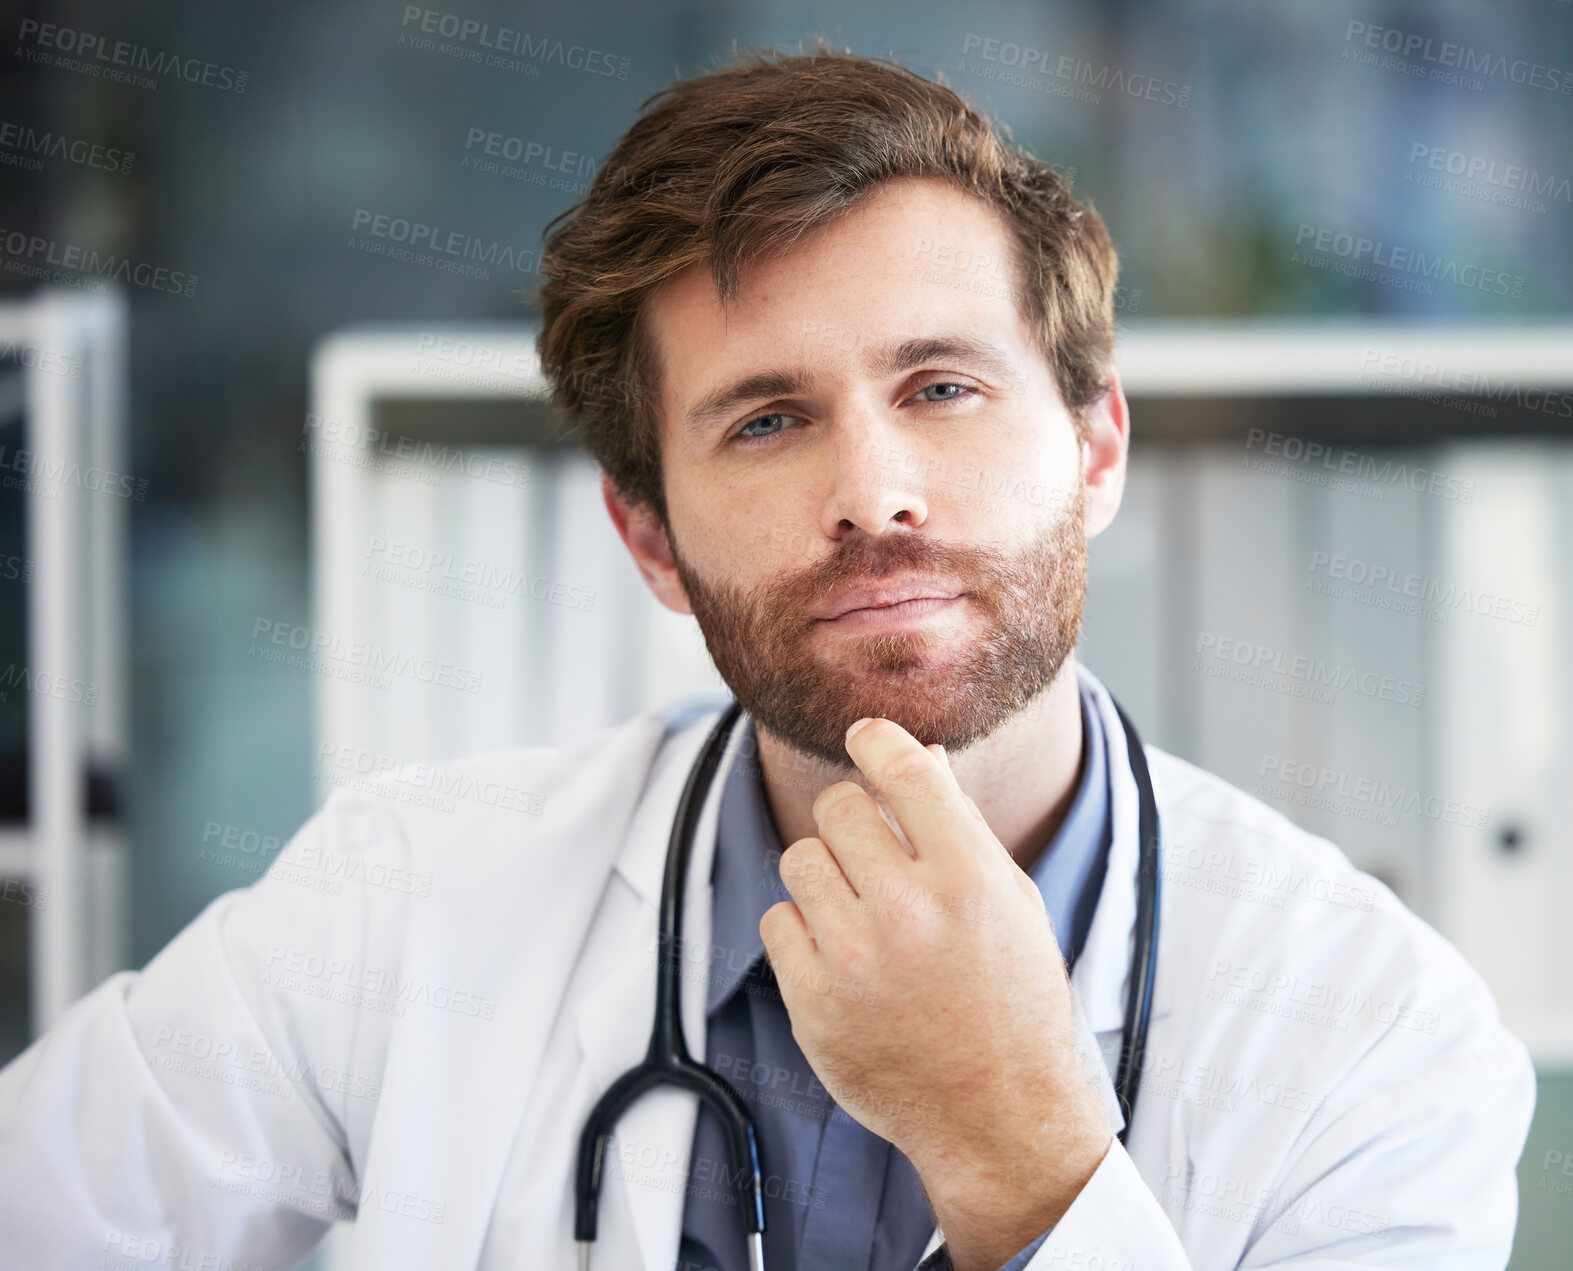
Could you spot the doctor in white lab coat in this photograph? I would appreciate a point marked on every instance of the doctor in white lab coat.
(407, 1020)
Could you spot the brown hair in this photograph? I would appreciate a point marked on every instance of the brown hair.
(742, 161)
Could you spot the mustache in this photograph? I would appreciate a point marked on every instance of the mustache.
(861, 558)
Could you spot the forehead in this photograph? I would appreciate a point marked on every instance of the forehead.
(914, 257)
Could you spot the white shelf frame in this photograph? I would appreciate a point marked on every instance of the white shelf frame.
(76, 628)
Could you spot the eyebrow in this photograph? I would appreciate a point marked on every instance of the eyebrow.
(883, 360)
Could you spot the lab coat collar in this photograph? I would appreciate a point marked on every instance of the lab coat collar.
(1101, 972)
(613, 1019)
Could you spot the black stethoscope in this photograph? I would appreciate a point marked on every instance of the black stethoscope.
(668, 1063)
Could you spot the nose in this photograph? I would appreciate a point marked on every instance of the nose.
(876, 478)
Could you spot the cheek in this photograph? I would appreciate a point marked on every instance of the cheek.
(720, 534)
(1051, 473)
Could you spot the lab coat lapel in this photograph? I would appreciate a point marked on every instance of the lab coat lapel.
(1105, 965)
(647, 1175)
(1101, 978)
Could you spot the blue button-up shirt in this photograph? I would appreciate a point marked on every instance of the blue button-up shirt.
(837, 1196)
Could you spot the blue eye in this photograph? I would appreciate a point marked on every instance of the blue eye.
(943, 384)
(746, 433)
(743, 431)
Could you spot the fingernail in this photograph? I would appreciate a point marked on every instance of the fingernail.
(942, 754)
(868, 719)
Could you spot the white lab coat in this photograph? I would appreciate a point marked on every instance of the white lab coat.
(412, 1012)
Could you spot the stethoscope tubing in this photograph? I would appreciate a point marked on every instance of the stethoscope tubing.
(667, 1060)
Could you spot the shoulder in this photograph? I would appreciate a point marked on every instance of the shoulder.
(1278, 921)
(1378, 1088)
(520, 792)
(491, 819)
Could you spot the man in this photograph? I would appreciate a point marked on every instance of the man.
(844, 357)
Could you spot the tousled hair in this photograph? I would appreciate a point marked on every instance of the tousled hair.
(743, 161)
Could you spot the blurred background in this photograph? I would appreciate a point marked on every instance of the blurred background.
(282, 505)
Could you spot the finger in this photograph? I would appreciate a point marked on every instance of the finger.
(919, 788)
(815, 882)
(787, 938)
(857, 834)
(793, 957)
(1022, 880)
(934, 748)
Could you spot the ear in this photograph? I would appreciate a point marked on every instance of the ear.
(1103, 456)
(645, 537)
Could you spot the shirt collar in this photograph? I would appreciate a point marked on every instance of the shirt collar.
(746, 877)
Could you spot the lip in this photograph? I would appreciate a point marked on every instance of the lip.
(920, 611)
(885, 593)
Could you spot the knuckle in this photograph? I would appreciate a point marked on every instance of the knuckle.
(802, 861)
(831, 795)
(909, 771)
(842, 813)
(772, 923)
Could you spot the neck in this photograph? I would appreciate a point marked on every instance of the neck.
(1022, 776)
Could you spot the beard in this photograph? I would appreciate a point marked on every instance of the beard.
(941, 684)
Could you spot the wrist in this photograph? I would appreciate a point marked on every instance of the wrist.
(990, 1209)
